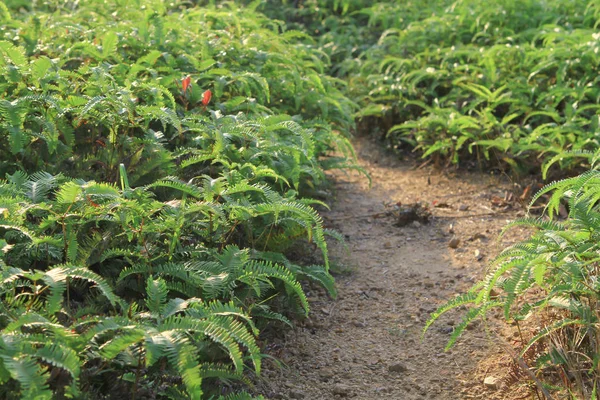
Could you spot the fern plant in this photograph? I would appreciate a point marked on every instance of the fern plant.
(158, 161)
(518, 76)
(552, 277)
(138, 287)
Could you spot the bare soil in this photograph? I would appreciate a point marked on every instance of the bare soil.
(367, 343)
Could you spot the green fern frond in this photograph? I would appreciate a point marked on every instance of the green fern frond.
(30, 375)
(39, 185)
(264, 270)
(156, 292)
(470, 316)
(60, 356)
(127, 337)
(174, 183)
(264, 312)
(458, 301)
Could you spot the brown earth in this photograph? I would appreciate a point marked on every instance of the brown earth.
(367, 343)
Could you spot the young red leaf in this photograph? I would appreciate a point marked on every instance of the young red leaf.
(186, 83)
(92, 203)
(206, 97)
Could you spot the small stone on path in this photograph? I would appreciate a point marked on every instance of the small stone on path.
(478, 255)
(326, 374)
(399, 367)
(341, 390)
(491, 382)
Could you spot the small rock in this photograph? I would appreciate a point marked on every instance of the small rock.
(399, 367)
(326, 374)
(463, 207)
(478, 236)
(478, 255)
(294, 394)
(451, 229)
(416, 224)
(491, 382)
(453, 243)
(388, 245)
(341, 390)
(446, 330)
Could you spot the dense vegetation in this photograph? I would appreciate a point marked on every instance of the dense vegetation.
(158, 163)
(159, 160)
(513, 84)
(553, 277)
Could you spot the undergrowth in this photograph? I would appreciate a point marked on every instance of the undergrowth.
(549, 284)
(158, 162)
(159, 159)
(504, 84)
(508, 84)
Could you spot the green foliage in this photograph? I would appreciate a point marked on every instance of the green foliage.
(507, 83)
(158, 159)
(552, 276)
(511, 83)
(126, 282)
(97, 92)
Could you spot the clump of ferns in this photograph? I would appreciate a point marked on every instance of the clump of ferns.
(553, 275)
(45, 337)
(278, 150)
(35, 298)
(140, 252)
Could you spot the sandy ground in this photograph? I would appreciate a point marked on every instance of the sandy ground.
(367, 343)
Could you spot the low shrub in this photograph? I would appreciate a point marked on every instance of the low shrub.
(159, 160)
(550, 281)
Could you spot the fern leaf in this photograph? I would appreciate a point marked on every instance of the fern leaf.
(126, 338)
(156, 292)
(60, 356)
(30, 376)
(174, 183)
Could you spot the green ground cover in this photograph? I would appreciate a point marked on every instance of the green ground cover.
(159, 160)
(511, 84)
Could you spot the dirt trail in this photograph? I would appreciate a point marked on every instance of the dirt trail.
(367, 343)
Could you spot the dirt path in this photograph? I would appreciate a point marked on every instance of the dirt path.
(367, 343)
